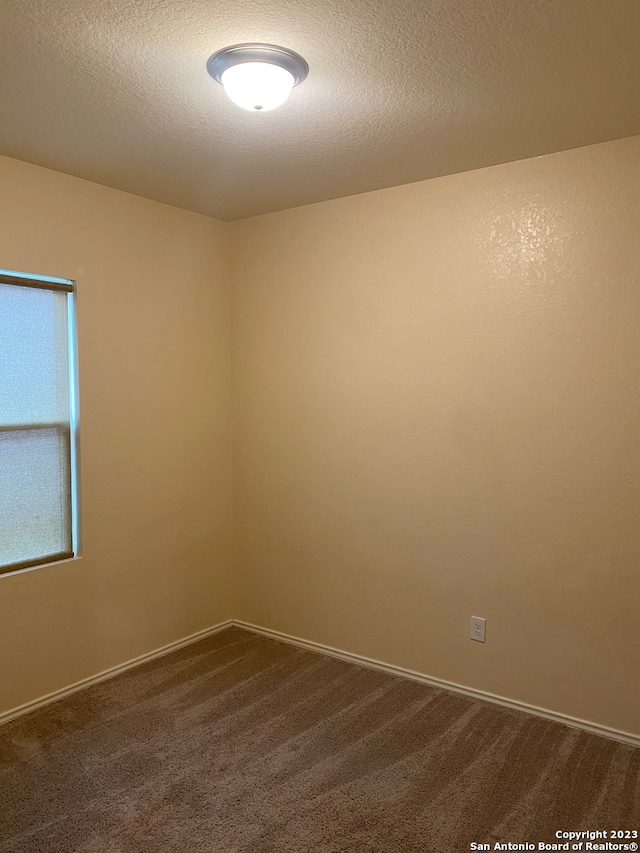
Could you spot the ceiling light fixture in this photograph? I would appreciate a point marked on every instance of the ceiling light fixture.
(257, 77)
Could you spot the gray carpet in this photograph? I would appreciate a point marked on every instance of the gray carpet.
(240, 744)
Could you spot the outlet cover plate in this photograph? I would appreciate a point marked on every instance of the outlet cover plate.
(478, 628)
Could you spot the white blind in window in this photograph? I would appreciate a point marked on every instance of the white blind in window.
(35, 429)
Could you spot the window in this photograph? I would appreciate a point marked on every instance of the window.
(38, 421)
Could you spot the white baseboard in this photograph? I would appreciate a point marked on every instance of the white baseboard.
(564, 719)
(110, 673)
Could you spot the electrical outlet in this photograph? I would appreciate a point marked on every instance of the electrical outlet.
(478, 625)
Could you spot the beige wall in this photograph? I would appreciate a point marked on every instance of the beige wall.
(437, 414)
(154, 395)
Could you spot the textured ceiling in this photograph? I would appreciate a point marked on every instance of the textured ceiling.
(116, 91)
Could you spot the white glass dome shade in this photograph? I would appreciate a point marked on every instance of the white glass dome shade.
(257, 85)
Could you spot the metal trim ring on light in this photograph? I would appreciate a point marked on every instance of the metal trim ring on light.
(237, 54)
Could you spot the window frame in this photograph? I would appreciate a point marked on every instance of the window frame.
(67, 432)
